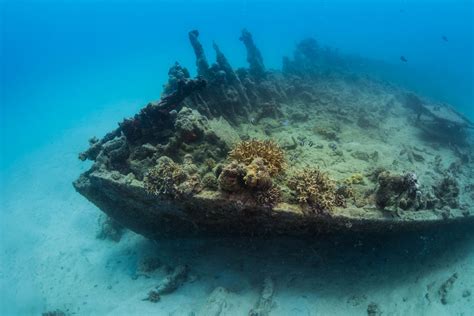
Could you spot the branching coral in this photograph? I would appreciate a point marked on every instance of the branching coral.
(253, 178)
(315, 189)
(272, 155)
(253, 165)
(269, 197)
(171, 179)
(162, 178)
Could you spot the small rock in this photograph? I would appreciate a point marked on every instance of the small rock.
(265, 303)
(446, 287)
(373, 310)
(361, 155)
(173, 281)
(153, 296)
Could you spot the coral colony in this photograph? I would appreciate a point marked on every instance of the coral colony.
(252, 151)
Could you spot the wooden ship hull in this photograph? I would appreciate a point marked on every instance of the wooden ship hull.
(176, 169)
(210, 214)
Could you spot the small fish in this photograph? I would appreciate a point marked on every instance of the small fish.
(444, 38)
(302, 142)
(402, 58)
(310, 144)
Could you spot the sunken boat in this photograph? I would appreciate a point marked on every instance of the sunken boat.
(313, 148)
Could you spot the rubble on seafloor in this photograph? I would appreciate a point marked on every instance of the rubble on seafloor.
(252, 151)
(169, 284)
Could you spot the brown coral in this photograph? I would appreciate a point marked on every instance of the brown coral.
(398, 191)
(231, 177)
(315, 189)
(170, 179)
(269, 151)
(161, 179)
(236, 176)
(257, 175)
(268, 198)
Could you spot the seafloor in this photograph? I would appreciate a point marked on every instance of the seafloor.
(63, 266)
(349, 126)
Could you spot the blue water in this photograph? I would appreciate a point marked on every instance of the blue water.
(62, 63)
(62, 60)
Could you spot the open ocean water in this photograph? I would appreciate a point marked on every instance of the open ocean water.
(70, 70)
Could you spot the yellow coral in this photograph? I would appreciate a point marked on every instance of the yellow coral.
(269, 151)
(257, 175)
(314, 188)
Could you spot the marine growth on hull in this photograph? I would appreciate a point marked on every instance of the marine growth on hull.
(252, 151)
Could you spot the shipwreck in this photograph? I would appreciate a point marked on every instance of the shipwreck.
(308, 149)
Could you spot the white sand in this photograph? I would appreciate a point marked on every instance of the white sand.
(52, 260)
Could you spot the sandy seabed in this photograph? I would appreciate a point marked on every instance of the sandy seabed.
(52, 260)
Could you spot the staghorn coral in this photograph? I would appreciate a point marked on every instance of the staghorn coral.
(270, 152)
(314, 188)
